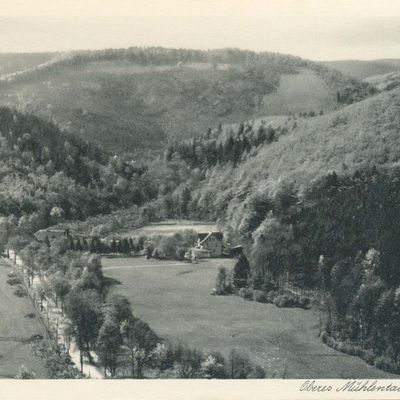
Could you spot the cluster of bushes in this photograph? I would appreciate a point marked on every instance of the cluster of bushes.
(383, 362)
(185, 363)
(170, 247)
(25, 373)
(58, 363)
(20, 291)
(14, 280)
(250, 287)
(282, 299)
(224, 283)
(310, 114)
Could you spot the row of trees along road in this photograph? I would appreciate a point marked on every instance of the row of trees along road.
(103, 324)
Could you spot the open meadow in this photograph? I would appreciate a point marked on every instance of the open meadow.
(18, 328)
(175, 299)
(168, 228)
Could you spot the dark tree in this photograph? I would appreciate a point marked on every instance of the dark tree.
(241, 271)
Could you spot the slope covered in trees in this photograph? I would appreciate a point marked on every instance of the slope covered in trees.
(385, 82)
(317, 207)
(47, 176)
(139, 98)
(361, 135)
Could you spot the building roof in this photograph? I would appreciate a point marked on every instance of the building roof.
(43, 233)
(203, 237)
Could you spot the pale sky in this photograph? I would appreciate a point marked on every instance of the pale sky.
(315, 29)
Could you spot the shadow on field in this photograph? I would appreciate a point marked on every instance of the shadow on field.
(110, 282)
(184, 272)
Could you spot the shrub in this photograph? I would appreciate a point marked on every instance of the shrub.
(368, 356)
(187, 362)
(271, 296)
(213, 367)
(241, 271)
(257, 372)
(288, 299)
(157, 254)
(348, 348)
(385, 363)
(259, 296)
(304, 302)
(357, 351)
(11, 274)
(340, 346)
(14, 281)
(269, 284)
(149, 250)
(246, 293)
(330, 342)
(285, 300)
(229, 286)
(25, 373)
(57, 362)
(324, 336)
(180, 253)
(240, 367)
(20, 291)
(223, 283)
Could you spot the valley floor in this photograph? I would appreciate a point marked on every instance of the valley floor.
(175, 299)
(18, 327)
(168, 228)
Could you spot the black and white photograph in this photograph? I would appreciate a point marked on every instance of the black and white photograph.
(201, 190)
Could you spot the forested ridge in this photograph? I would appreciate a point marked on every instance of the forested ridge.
(142, 98)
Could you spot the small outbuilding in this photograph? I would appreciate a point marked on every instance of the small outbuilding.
(194, 254)
(50, 234)
(236, 251)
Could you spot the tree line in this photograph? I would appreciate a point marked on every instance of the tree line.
(156, 246)
(206, 151)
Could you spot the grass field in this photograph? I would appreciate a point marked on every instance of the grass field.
(174, 298)
(17, 326)
(168, 227)
(301, 92)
